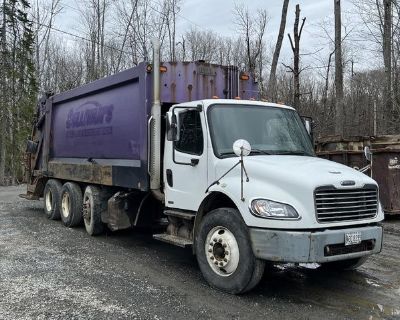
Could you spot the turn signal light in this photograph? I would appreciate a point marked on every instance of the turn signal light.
(163, 69)
(215, 97)
(237, 98)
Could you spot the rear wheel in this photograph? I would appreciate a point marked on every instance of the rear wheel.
(349, 264)
(51, 197)
(94, 204)
(224, 252)
(71, 204)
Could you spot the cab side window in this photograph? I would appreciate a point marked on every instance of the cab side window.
(191, 133)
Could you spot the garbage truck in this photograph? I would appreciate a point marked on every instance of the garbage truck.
(188, 149)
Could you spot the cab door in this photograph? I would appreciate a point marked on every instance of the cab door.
(185, 160)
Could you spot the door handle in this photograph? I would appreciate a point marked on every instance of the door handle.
(194, 162)
(170, 180)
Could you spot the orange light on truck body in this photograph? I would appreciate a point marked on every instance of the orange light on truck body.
(215, 97)
(244, 76)
(163, 69)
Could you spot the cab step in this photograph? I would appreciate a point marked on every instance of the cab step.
(183, 214)
(175, 240)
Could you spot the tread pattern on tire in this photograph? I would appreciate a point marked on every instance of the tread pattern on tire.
(75, 193)
(55, 187)
(250, 270)
(100, 197)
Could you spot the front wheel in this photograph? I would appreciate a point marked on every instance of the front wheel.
(224, 252)
(349, 264)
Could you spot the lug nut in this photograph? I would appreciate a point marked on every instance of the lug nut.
(220, 240)
(211, 243)
(221, 264)
(224, 245)
(216, 263)
(226, 260)
(226, 253)
(212, 258)
(215, 239)
(210, 250)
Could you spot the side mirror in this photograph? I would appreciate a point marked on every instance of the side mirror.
(172, 128)
(308, 123)
(241, 147)
(368, 153)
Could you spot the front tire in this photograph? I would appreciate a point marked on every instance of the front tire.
(224, 252)
(51, 197)
(71, 204)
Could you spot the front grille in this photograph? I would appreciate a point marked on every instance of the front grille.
(333, 205)
(338, 249)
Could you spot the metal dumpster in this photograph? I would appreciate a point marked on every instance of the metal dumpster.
(386, 171)
(348, 151)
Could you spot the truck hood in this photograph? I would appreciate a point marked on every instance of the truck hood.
(286, 179)
(304, 171)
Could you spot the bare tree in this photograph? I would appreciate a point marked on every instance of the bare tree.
(339, 114)
(253, 30)
(271, 92)
(295, 45)
(387, 57)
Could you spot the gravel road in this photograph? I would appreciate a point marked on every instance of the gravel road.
(48, 271)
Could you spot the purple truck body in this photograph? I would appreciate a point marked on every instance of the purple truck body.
(106, 122)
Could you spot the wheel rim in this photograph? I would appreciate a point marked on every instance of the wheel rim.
(49, 201)
(222, 251)
(65, 205)
(87, 209)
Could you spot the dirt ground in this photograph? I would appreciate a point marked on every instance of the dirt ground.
(48, 271)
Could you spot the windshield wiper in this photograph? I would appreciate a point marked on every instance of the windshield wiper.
(227, 153)
(292, 152)
(257, 151)
(253, 152)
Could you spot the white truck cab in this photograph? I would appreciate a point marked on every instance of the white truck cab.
(274, 200)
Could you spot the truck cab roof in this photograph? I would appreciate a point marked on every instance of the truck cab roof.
(208, 102)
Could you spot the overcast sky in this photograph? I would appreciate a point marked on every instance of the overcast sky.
(218, 16)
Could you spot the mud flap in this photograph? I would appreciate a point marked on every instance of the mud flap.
(121, 212)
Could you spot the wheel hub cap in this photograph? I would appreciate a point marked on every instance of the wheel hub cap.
(222, 251)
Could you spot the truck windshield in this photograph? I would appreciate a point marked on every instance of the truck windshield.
(269, 130)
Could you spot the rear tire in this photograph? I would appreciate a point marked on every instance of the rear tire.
(94, 204)
(224, 252)
(71, 204)
(343, 265)
(51, 198)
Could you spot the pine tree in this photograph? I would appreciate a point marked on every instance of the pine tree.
(18, 87)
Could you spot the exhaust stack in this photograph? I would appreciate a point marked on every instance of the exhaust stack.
(155, 128)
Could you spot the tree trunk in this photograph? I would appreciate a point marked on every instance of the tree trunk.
(296, 56)
(387, 57)
(3, 102)
(271, 92)
(339, 114)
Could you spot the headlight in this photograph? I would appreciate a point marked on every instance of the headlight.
(273, 210)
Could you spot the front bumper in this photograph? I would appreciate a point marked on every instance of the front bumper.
(313, 246)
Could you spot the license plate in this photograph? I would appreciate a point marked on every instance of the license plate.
(352, 238)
